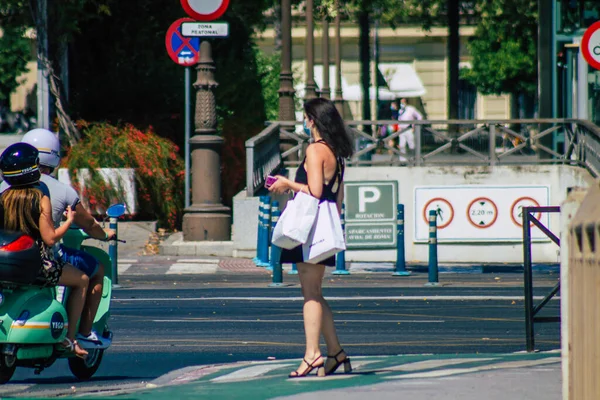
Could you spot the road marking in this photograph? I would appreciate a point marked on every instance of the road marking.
(456, 371)
(249, 373)
(127, 260)
(189, 268)
(341, 298)
(300, 320)
(123, 267)
(200, 260)
(430, 364)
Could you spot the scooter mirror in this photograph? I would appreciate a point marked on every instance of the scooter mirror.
(116, 210)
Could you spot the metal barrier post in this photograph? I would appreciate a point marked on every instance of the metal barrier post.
(340, 258)
(266, 240)
(433, 258)
(275, 265)
(528, 281)
(400, 252)
(113, 252)
(294, 270)
(260, 230)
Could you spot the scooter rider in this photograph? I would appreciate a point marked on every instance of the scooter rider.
(25, 207)
(63, 196)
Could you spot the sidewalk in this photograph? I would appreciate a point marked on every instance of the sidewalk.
(534, 376)
(138, 258)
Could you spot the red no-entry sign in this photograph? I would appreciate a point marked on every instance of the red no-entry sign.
(590, 45)
(205, 10)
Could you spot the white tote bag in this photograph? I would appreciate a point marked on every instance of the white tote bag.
(326, 238)
(294, 224)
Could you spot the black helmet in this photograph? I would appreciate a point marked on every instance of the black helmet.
(19, 164)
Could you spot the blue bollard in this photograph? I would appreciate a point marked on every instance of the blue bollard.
(340, 258)
(266, 240)
(259, 233)
(294, 270)
(400, 252)
(275, 265)
(113, 252)
(433, 258)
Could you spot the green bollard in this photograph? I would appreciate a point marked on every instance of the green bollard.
(400, 252)
(433, 256)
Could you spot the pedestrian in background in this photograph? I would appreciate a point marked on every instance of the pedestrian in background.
(407, 137)
(320, 174)
(394, 127)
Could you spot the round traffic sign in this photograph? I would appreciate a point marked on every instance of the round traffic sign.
(205, 10)
(443, 210)
(182, 50)
(482, 212)
(516, 210)
(590, 45)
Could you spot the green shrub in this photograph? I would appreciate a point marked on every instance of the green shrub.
(159, 170)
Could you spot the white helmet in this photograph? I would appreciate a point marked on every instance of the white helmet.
(47, 144)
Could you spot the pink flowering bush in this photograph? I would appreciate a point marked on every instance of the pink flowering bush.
(159, 170)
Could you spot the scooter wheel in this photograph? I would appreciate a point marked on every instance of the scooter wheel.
(85, 369)
(8, 364)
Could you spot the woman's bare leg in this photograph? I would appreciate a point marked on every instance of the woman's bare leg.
(92, 301)
(78, 282)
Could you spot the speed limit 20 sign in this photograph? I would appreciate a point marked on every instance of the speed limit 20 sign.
(590, 45)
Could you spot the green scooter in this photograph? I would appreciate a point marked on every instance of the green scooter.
(33, 318)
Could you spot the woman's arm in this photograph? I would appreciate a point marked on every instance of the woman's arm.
(51, 236)
(314, 166)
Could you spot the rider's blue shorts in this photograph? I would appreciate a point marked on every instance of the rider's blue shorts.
(81, 260)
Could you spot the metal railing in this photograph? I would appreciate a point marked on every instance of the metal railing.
(532, 310)
(457, 142)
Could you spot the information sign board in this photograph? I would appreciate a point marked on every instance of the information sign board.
(371, 214)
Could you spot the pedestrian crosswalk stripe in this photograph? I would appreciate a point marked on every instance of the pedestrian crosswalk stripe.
(123, 267)
(456, 371)
(249, 373)
(188, 268)
(429, 364)
(127, 261)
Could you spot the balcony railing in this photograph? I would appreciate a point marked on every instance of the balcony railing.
(456, 142)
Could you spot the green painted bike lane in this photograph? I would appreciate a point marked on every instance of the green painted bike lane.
(269, 379)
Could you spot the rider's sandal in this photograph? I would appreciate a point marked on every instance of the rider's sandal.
(345, 361)
(310, 366)
(72, 346)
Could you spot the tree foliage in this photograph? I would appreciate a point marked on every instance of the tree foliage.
(15, 51)
(504, 48)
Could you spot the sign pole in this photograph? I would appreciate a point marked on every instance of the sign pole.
(187, 135)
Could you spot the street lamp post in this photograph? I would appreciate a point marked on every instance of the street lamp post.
(206, 219)
(310, 91)
(325, 90)
(338, 98)
(286, 87)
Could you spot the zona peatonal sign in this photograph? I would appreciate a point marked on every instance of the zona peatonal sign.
(371, 220)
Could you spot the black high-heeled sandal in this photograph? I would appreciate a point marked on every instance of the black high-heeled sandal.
(345, 361)
(309, 368)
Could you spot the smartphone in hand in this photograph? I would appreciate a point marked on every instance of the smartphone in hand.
(270, 181)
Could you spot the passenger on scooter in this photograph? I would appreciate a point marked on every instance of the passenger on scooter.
(24, 207)
(63, 195)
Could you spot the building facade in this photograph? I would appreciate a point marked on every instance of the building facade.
(421, 53)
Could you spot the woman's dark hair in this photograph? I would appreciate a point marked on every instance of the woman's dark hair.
(330, 125)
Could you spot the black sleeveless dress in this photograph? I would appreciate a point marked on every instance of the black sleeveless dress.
(330, 192)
